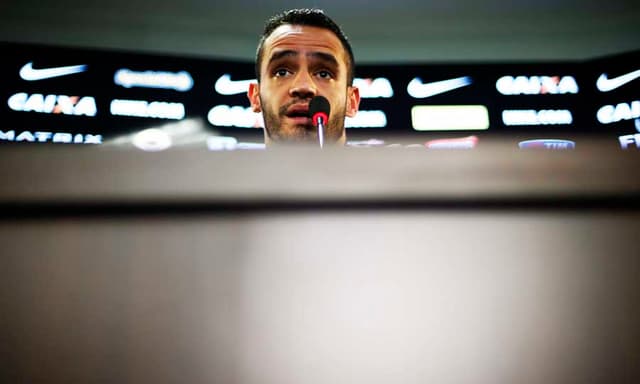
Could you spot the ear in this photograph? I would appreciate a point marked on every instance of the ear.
(254, 97)
(353, 101)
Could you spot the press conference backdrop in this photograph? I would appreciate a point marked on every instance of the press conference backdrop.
(64, 95)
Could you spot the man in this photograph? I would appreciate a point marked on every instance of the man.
(303, 53)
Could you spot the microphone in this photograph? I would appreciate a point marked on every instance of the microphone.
(319, 109)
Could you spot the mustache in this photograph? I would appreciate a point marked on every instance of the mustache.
(282, 111)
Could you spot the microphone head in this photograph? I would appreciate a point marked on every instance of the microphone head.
(319, 108)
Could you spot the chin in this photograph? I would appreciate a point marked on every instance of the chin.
(303, 133)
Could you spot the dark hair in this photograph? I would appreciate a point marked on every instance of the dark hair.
(309, 17)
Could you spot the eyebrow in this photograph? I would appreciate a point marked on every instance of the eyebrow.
(318, 55)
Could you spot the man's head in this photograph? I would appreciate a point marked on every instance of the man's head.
(303, 53)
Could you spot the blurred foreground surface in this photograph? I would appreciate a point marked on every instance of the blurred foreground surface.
(348, 266)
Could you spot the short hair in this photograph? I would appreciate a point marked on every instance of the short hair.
(308, 17)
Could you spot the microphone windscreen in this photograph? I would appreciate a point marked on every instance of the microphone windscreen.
(319, 106)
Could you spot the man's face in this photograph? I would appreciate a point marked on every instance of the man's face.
(298, 63)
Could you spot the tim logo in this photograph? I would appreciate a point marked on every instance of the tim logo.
(547, 144)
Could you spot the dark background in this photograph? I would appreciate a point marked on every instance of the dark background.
(398, 31)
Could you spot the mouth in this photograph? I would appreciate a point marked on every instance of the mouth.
(299, 114)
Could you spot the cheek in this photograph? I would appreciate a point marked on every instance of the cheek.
(270, 97)
(340, 102)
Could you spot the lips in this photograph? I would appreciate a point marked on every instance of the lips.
(298, 110)
(299, 113)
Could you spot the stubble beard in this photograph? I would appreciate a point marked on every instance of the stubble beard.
(302, 133)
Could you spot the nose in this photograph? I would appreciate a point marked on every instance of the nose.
(303, 86)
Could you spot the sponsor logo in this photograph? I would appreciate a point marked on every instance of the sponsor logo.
(419, 90)
(236, 116)
(604, 84)
(28, 73)
(229, 143)
(547, 144)
(399, 145)
(627, 141)
(365, 143)
(50, 137)
(251, 146)
(244, 117)
(449, 117)
(614, 113)
(225, 86)
(374, 88)
(457, 143)
(367, 119)
(369, 88)
(152, 140)
(221, 143)
(536, 85)
(54, 104)
(533, 117)
(142, 108)
(180, 81)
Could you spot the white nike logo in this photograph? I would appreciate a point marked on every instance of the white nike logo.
(419, 91)
(226, 86)
(27, 72)
(605, 85)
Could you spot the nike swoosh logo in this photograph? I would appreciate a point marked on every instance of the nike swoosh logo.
(605, 84)
(419, 90)
(27, 72)
(225, 86)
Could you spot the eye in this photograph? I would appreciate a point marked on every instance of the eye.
(281, 72)
(325, 75)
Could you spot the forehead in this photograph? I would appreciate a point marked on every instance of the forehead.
(303, 38)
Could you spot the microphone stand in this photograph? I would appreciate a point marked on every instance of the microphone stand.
(320, 131)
